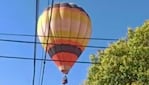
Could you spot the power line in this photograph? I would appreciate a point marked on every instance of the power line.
(41, 68)
(35, 39)
(28, 35)
(38, 59)
(32, 42)
(49, 19)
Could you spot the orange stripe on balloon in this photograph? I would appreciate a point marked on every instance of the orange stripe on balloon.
(64, 60)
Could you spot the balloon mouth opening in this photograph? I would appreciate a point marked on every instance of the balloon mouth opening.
(64, 69)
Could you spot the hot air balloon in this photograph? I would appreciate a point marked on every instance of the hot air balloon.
(66, 28)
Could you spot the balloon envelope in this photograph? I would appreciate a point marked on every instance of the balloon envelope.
(66, 28)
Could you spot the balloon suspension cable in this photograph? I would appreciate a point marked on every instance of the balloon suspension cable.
(64, 81)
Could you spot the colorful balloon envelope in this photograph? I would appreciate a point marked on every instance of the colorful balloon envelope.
(67, 29)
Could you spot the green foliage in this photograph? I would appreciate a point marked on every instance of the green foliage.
(125, 62)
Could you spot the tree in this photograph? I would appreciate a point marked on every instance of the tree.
(124, 62)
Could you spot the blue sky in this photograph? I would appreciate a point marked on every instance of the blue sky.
(110, 19)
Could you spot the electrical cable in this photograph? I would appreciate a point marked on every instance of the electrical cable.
(38, 59)
(35, 39)
(41, 67)
(31, 42)
(50, 18)
(28, 35)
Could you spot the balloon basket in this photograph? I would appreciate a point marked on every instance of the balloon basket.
(65, 80)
